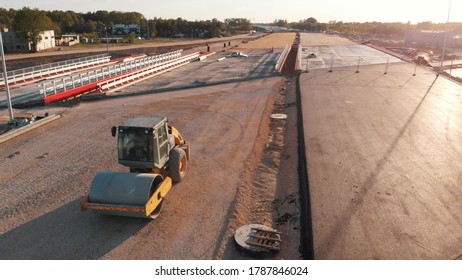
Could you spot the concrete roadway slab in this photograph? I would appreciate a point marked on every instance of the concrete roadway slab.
(258, 64)
(384, 162)
(342, 56)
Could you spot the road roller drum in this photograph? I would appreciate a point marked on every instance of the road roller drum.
(123, 188)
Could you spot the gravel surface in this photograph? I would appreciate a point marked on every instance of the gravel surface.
(243, 170)
(274, 40)
(45, 173)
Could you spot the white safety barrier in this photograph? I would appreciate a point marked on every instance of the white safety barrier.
(281, 59)
(30, 73)
(57, 86)
(146, 73)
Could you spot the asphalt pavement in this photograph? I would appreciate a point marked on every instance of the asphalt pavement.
(384, 162)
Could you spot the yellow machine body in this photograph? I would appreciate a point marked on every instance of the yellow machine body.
(157, 156)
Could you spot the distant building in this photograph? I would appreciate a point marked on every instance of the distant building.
(431, 39)
(457, 41)
(126, 29)
(111, 40)
(85, 40)
(14, 45)
(67, 40)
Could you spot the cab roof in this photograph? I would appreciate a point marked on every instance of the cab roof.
(144, 121)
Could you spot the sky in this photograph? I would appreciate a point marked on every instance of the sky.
(265, 11)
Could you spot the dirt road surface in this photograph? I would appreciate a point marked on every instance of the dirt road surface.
(46, 173)
(274, 40)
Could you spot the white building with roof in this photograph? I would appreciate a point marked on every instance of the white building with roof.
(12, 44)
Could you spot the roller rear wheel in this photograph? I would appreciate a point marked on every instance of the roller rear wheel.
(177, 164)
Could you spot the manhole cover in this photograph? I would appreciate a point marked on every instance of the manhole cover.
(258, 238)
(279, 116)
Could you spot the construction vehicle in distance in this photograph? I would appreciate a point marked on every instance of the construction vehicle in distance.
(156, 154)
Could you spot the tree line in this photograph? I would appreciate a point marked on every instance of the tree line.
(397, 29)
(63, 22)
(29, 23)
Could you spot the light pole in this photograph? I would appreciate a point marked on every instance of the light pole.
(107, 39)
(5, 79)
(147, 28)
(445, 39)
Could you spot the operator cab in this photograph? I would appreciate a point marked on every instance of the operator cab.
(143, 142)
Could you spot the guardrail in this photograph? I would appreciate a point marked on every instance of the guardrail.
(82, 79)
(45, 70)
(390, 52)
(145, 73)
(282, 59)
(298, 65)
(116, 76)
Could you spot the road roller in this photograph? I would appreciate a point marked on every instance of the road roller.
(157, 156)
